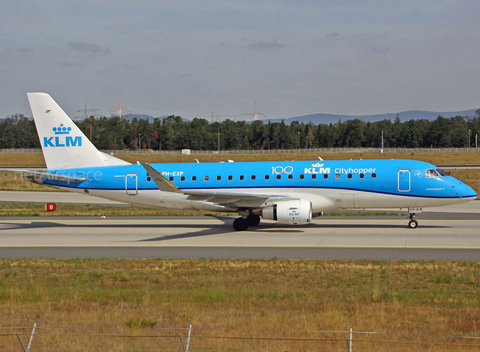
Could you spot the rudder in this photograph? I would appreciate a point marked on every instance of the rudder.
(63, 144)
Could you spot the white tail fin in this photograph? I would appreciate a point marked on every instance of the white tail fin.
(64, 145)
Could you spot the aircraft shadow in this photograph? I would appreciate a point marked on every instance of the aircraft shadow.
(219, 229)
(209, 230)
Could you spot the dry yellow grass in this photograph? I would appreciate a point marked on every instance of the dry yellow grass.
(13, 181)
(436, 158)
(22, 159)
(20, 209)
(241, 298)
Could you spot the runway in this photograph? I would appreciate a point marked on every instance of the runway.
(440, 236)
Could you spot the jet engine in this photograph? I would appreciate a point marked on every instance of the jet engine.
(289, 212)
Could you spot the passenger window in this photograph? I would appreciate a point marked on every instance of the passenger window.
(205, 178)
(325, 176)
(362, 175)
(279, 177)
(253, 177)
(182, 178)
(241, 177)
(314, 177)
(337, 176)
(194, 178)
(149, 178)
(230, 178)
(374, 175)
(290, 177)
(302, 176)
(267, 177)
(349, 176)
(171, 178)
(219, 178)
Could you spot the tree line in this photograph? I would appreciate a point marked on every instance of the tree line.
(174, 133)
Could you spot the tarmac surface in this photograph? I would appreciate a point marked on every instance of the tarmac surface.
(377, 237)
(444, 233)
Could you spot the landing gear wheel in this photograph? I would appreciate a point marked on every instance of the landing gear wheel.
(413, 224)
(253, 220)
(240, 224)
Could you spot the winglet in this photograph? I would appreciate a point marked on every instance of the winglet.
(162, 183)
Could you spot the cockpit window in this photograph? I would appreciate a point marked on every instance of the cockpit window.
(443, 173)
(431, 173)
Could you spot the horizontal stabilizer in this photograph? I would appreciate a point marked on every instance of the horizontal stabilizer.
(39, 176)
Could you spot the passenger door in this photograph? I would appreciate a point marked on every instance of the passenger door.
(404, 180)
(131, 185)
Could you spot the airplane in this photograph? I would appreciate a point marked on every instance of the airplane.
(289, 192)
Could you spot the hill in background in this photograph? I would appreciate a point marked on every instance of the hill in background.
(404, 116)
(333, 118)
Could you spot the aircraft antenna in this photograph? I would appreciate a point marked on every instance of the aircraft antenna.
(255, 113)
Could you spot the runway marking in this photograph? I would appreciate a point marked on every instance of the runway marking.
(182, 222)
(220, 221)
(230, 246)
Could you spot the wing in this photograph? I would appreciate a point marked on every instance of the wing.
(228, 199)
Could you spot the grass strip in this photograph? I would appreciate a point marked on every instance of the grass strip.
(423, 298)
(23, 209)
(436, 158)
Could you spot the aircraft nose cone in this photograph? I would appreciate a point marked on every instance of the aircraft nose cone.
(464, 191)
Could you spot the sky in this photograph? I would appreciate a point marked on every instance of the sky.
(198, 58)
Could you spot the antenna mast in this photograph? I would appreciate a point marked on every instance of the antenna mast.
(118, 110)
(89, 112)
(255, 113)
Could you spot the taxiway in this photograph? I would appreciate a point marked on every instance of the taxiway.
(440, 236)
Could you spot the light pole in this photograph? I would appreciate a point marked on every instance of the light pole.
(381, 150)
(469, 130)
(218, 141)
(298, 141)
(139, 141)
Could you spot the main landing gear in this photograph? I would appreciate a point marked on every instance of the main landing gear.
(242, 223)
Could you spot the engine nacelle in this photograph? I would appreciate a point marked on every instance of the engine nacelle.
(290, 212)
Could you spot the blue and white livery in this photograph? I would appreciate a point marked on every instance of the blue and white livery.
(290, 192)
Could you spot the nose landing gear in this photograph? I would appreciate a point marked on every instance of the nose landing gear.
(413, 223)
(412, 214)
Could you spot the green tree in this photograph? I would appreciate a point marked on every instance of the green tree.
(410, 136)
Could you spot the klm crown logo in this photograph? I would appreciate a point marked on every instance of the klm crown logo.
(58, 141)
(317, 168)
(62, 129)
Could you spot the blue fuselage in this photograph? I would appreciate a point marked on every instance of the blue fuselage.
(367, 179)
